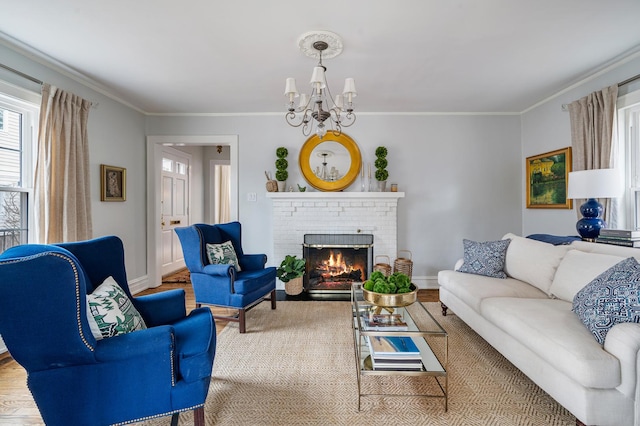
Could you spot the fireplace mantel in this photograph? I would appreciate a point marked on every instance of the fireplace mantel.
(298, 213)
(334, 195)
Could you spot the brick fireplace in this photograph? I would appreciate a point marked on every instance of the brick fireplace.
(296, 214)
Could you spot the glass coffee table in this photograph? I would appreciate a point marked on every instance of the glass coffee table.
(381, 329)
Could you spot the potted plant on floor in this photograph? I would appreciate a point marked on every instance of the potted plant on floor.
(290, 272)
(281, 168)
(381, 168)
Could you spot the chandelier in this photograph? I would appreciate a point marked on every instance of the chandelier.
(320, 107)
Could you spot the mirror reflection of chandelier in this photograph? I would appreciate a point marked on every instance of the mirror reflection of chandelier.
(320, 105)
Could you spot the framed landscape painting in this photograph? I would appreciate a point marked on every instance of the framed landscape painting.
(547, 177)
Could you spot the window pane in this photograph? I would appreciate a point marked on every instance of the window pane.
(167, 165)
(13, 213)
(10, 134)
(9, 167)
(181, 168)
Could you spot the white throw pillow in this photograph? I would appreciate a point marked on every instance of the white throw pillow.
(223, 254)
(110, 311)
(533, 262)
(577, 269)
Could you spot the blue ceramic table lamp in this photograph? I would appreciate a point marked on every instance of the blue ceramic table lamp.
(593, 184)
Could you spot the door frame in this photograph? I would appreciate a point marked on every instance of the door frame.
(154, 186)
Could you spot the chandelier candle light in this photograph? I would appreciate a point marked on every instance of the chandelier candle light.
(320, 105)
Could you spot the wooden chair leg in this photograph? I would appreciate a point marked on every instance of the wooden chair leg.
(273, 299)
(198, 416)
(444, 309)
(241, 320)
(174, 419)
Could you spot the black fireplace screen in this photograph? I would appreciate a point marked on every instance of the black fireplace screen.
(335, 261)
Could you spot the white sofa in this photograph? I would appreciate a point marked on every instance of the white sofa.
(527, 317)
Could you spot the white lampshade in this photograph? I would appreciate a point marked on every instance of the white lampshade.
(595, 183)
(339, 102)
(317, 78)
(304, 100)
(349, 88)
(290, 87)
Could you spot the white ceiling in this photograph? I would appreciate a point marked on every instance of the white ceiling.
(232, 56)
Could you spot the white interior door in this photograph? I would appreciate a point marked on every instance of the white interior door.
(174, 206)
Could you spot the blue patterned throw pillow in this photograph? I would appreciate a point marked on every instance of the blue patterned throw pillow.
(610, 299)
(485, 258)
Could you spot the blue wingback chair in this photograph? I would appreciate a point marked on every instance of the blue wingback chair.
(78, 380)
(222, 285)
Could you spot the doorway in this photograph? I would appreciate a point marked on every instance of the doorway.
(175, 204)
(155, 146)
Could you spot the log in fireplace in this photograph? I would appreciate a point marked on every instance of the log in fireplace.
(335, 261)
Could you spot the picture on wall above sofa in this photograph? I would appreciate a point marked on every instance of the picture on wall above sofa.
(547, 178)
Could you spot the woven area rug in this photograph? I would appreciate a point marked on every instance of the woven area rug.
(296, 366)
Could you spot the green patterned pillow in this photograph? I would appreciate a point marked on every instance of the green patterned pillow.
(110, 311)
(223, 254)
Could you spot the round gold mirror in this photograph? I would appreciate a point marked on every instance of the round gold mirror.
(331, 163)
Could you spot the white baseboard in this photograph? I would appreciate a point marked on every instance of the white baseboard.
(3, 347)
(139, 284)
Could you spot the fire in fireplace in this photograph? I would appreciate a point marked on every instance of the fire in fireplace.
(335, 261)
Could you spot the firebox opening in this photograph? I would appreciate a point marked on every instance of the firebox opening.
(335, 262)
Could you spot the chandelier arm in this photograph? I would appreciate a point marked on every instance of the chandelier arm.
(290, 116)
(338, 130)
(306, 129)
(350, 119)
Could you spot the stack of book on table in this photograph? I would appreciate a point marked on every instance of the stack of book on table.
(619, 237)
(394, 353)
(382, 322)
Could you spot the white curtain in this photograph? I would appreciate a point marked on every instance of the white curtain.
(222, 193)
(592, 124)
(62, 186)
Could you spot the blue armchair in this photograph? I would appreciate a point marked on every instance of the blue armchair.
(221, 284)
(76, 379)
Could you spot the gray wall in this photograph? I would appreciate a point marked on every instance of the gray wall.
(463, 175)
(117, 138)
(547, 128)
(460, 173)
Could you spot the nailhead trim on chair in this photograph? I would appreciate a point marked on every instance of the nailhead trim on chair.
(159, 415)
(77, 280)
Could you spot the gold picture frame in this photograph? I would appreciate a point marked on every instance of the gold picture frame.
(547, 177)
(339, 152)
(113, 183)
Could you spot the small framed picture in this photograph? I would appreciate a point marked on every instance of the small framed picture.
(113, 183)
(547, 179)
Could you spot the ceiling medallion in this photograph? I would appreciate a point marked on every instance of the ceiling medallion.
(333, 41)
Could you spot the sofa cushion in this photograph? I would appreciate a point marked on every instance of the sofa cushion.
(576, 270)
(611, 298)
(533, 262)
(485, 258)
(472, 289)
(553, 332)
(110, 311)
(223, 254)
(609, 249)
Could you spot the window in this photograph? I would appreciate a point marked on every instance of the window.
(629, 138)
(17, 142)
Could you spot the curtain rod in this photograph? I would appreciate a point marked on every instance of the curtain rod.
(21, 74)
(565, 107)
(629, 80)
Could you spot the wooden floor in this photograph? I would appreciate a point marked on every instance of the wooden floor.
(16, 404)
